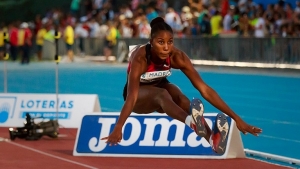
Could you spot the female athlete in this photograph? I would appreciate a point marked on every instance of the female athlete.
(148, 90)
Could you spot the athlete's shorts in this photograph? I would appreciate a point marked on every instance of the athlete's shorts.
(159, 84)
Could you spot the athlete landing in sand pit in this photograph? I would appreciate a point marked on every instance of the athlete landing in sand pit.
(148, 90)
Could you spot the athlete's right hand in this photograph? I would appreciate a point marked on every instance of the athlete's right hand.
(115, 137)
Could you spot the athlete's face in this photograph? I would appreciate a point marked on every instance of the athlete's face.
(162, 44)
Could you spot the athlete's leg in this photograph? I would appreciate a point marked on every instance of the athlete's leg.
(218, 137)
(151, 98)
(181, 100)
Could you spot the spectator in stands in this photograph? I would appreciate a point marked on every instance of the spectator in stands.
(297, 9)
(162, 7)
(151, 13)
(26, 42)
(144, 28)
(124, 28)
(187, 19)
(278, 22)
(111, 40)
(81, 32)
(289, 12)
(94, 33)
(40, 41)
(103, 29)
(244, 25)
(228, 20)
(193, 26)
(260, 26)
(284, 31)
(202, 13)
(75, 6)
(126, 11)
(196, 5)
(216, 24)
(185, 13)
(50, 32)
(134, 4)
(98, 4)
(244, 5)
(212, 10)
(173, 19)
(251, 12)
(205, 27)
(2, 43)
(69, 40)
(269, 13)
(224, 7)
(297, 33)
(38, 24)
(107, 12)
(87, 6)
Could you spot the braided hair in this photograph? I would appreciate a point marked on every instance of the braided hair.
(159, 24)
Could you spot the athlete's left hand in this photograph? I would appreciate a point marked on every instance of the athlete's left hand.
(246, 128)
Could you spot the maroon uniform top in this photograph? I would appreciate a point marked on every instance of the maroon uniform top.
(154, 72)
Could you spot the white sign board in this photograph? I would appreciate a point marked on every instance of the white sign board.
(151, 135)
(71, 108)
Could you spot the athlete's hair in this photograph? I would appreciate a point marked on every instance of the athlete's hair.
(159, 24)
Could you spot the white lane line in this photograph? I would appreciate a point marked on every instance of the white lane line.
(50, 155)
(268, 162)
(279, 138)
(272, 121)
(275, 157)
(245, 64)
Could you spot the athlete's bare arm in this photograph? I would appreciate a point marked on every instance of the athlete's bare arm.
(138, 66)
(181, 61)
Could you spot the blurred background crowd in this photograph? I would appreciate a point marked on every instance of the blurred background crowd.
(113, 19)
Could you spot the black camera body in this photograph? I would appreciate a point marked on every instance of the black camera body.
(33, 131)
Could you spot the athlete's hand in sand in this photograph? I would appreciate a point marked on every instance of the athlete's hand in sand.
(246, 128)
(115, 136)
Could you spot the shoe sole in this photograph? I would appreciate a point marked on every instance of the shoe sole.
(197, 111)
(223, 128)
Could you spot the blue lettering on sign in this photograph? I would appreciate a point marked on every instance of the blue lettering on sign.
(38, 103)
(51, 104)
(70, 103)
(46, 104)
(63, 105)
(156, 135)
(30, 104)
(47, 115)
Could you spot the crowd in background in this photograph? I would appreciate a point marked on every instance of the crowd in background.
(98, 19)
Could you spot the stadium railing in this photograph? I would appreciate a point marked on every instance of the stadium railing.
(228, 49)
